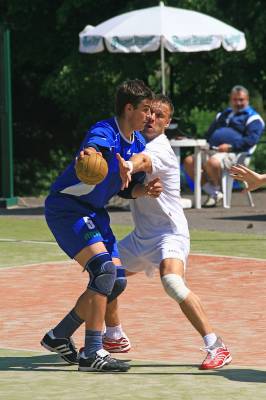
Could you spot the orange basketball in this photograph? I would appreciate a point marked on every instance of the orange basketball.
(91, 169)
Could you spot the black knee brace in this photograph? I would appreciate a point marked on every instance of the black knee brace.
(102, 273)
(119, 285)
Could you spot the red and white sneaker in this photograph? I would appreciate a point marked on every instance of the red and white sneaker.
(218, 356)
(121, 345)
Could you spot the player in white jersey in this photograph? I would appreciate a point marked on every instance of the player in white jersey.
(160, 239)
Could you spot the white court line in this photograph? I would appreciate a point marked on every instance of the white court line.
(24, 349)
(74, 262)
(55, 243)
(220, 255)
(41, 264)
(27, 241)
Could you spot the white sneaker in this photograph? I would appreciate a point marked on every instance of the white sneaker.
(121, 345)
(217, 356)
(213, 201)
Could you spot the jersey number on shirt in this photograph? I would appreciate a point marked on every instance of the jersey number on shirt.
(89, 223)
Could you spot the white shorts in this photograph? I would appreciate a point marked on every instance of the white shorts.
(227, 160)
(146, 255)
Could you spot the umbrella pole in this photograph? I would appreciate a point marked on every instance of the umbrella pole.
(163, 68)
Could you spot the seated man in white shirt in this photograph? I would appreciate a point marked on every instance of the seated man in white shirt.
(160, 240)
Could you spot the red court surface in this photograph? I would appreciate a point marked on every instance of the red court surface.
(232, 290)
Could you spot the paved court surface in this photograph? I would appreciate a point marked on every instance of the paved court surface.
(233, 292)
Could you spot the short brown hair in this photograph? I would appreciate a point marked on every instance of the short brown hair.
(162, 98)
(131, 92)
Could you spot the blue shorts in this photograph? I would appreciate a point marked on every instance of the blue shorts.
(76, 225)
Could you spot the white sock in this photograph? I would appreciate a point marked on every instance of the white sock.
(209, 189)
(114, 332)
(217, 189)
(209, 339)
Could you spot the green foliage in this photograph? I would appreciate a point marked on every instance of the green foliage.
(58, 92)
(258, 160)
(35, 178)
(201, 119)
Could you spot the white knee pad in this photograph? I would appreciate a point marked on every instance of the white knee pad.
(175, 287)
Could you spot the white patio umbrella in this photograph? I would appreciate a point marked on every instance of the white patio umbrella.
(148, 29)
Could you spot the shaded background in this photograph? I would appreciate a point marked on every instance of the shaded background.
(58, 92)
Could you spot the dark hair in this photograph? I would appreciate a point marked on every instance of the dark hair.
(162, 98)
(131, 92)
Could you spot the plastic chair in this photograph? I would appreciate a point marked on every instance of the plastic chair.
(227, 181)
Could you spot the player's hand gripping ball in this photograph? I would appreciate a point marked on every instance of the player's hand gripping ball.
(91, 169)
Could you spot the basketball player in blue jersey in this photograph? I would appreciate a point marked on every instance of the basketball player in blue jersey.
(76, 216)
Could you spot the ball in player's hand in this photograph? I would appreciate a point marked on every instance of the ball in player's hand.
(91, 168)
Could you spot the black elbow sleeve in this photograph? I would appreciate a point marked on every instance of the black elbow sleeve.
(136, 178)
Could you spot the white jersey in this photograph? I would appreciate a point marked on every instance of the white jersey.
(163, 215)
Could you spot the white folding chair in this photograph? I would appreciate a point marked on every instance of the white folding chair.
(227, 181)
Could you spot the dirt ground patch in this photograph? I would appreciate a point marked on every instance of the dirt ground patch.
(233, 292)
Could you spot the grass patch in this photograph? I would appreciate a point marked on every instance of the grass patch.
(24, 229)
(229, 244)
(15, 250)
(19, 253)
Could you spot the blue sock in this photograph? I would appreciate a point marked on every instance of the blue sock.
(68, 325)
(93, 342)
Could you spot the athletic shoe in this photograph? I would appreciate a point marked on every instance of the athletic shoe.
(102, 362)
(218, 356)
(121, 345)
(65, 347)
(213, 201)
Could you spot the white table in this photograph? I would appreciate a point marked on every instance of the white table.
(199, 145)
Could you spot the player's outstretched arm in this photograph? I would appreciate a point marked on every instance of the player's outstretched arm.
(139, 162)
(125, 169)
(244, 174)
(153, 189)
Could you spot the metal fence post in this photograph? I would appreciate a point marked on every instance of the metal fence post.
(6, 137)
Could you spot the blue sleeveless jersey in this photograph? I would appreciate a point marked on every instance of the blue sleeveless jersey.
(106, 135)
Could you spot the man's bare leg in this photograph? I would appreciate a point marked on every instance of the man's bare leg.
(191, 305)
(213, 169)
(189, 168)
(115, 340)
(172, 274)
